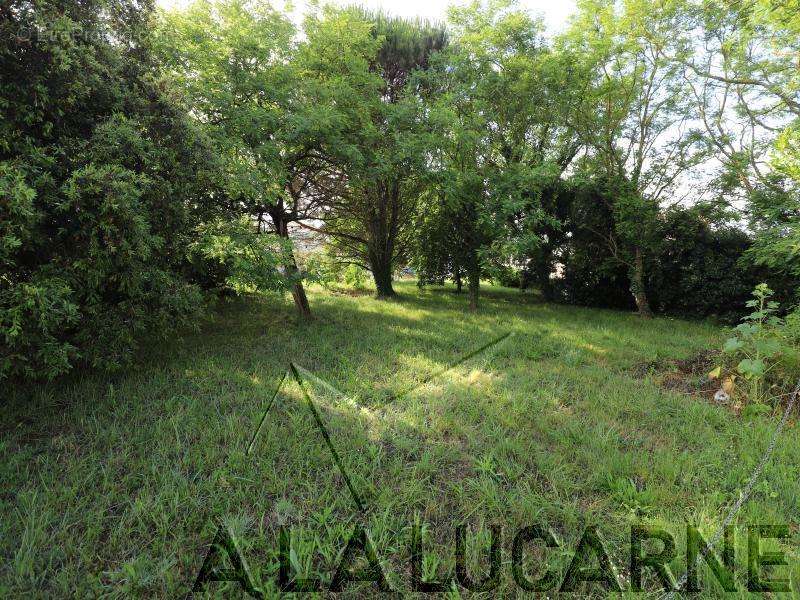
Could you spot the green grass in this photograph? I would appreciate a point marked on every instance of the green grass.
(111, 485)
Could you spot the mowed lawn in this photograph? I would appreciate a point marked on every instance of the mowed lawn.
(111, 485)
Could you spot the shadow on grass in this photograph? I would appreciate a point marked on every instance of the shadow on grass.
(121, 476)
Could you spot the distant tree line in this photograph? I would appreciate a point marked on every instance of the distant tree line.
(644, 158)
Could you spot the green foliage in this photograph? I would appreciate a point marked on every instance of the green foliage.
(33, 319)
(749, 104)
(485, 202)
(756, 343)
(302, 125)
(102, 179)
(697, 266)
(699, 269)
(354, 276)
(320, 267)
(253, 261)
(636, 119)
(505, 275)
(128, 137)
(370, 216)
(231, 59)
(585, 268)
(326, 269)
(18, 216)
(775, 216)
(439, 250)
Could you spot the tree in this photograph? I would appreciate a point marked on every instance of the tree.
(103, 178)
(588, 273)
(699, 269)
(370, 212)
(459, 220)
(640, 136)
(459, 198)
(502, 139)
(237, 62)
(438, 252)
(745, 80)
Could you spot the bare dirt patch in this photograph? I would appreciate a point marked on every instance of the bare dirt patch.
(688, 376)
(351, 292)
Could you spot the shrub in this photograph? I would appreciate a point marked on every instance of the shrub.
(762, 349)
(589, 274)
(33, 318)
(506, 275)
(326, 269)
(103, 179)
(354, 276)
(699, 269)
(252, 261)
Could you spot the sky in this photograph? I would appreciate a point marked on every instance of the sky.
(554, 12)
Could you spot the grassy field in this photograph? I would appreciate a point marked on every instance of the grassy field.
(111, 485)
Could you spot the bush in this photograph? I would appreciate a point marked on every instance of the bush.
(762, 351)
(103, 180)
(326, 269)
(252, 261)
(589, 275)
(698, 267)
(699, 270)
(506, 276)
(354, 276)
(33, 318)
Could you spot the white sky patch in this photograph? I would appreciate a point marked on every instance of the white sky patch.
(554, 12)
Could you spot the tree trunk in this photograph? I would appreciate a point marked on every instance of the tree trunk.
(298, 291)
(382, 228)
(637, 285)
(542, 269)
(473, 281)
(300, 299)
(382, 274)
(459, 282)
(473, 285)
